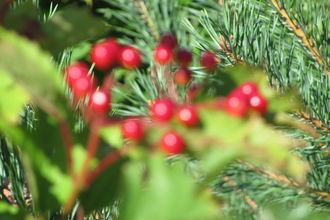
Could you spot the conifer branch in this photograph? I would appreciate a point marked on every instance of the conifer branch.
(287, 181)
(299, 32)
(146, 16)
(247, 199)
(315, 122)
(226, 47)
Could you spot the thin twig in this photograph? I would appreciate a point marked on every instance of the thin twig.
(315, 122)
(173, 93)
(105, 163)
(146, 16)
(225, 46)
(285, 180)
(68, 143)
(247, 199)
(299, 32)
(79, 180)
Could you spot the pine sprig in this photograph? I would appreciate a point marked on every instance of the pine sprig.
(297, 30)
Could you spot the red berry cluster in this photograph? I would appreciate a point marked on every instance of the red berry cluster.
(108, 53)
(163, 110)
(167, 51)
(105, 55)
(245, 97)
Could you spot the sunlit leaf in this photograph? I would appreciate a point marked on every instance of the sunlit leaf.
(29, 67)
(152, 196)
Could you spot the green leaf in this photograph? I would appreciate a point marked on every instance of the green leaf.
(9, 212)
(224, 127)
(214, 159)
(104, 190)
(24, 19)
(78, 156)
(44, 159)
(70, 26)
(12, 99)
(287, 101)
(163, 192)
(29, 67)
(112, 135)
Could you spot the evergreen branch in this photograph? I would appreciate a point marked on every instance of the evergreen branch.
(287, 181)
(146, 16)
(247, 199)
(316, 123)
(299, 32)
(226, 47)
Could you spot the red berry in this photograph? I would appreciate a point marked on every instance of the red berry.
(104, 54)
(208, 60)
(132, 129)
(258, 103)
(248, 88)
(236, 105)
(82, 86)
(76, 71)
(162, 109)
(129, 57)
(188, 115)
(100, 102)
(172, 143)
(184, 57)
(182, 76)
(168, 40)
(163, 54)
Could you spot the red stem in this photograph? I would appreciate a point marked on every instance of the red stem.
(173, 93)
(105, 163)
(92, 146)
(68, 143)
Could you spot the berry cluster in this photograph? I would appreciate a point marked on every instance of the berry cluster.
(245, 97)
(163, 110)
(167, 51)
(109, 54)
(105, 55)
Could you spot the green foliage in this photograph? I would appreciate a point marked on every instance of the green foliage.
(66, 29)
(18, 52)
(152, 196)
(112, 135)
(12, 99)
(57, 31)
(144, 185)
(9, 212)
(104, 190)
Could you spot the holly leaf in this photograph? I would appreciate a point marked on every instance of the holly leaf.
(104, 189)
(13, 97)
(228, 129)
(112, 135)
(149, 190)
(44, 160)
(9, 212)
(69, 27)
(34, 71)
